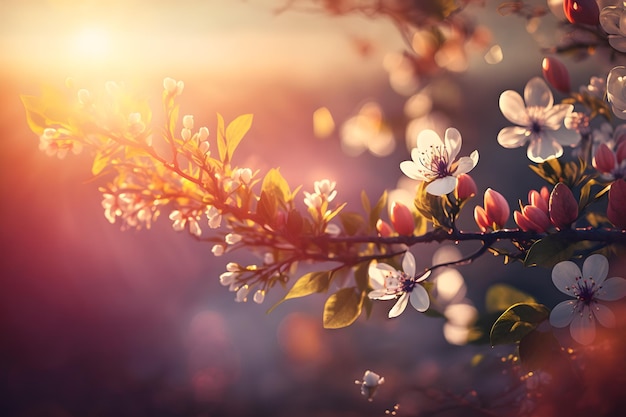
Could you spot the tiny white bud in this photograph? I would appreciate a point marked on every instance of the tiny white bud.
(227, 278)
(203, 134)
(242, 294)
(233, 267)
(84, 97)
(188, 121)
(169, 84)
(268, 258)
(218, 250)
(232, 238)
(259, 296)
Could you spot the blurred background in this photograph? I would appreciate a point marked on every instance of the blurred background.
(99, 322)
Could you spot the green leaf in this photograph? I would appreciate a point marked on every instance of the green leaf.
(549, 251)
(501, 296)
(516, 322)
(235, 131)
(311, 283)
(222, 146)
(342, 308)
(361, 276)
(352, 222)
(276, 187)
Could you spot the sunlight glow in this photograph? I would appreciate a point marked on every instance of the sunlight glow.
(92, 43)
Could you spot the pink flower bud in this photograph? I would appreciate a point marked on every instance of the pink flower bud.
(563, 206)
(402, 219)
(539, 220)
(465, 187)
(604, 159)
(384, 229)
(556, 74)
(584, 12)
(620, 153)
(540, 199)
(496, 208)
(481, 218)
(522, 221)
(616, 210)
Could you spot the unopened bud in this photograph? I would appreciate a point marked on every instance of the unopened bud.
(384, 229)
(563, 206)
(556, 74)
(584, 12)
(402, 219)
(604, 160)
(616, 210)
(465, 187)
(496, 208)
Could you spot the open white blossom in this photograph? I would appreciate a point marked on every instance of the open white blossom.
(538, 121)
(588, 288)
(616, 91)
(433, 161)
(371, 381)
(389, 283)
(611, 19)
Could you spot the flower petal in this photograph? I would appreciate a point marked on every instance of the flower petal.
(413, 171)
(542, 149)
(513, 137)
(564, 276)
(537, 93)
(441, 186)
(408, 264)
(399, 307)
(596, 266)
(612, 289)
(380, 294)
(466, 164)
(513, 108)
(428, 138)
(604, 315)
(554, 117)
(419, 298)
(583, 327)
(452, 141)
(563, 313)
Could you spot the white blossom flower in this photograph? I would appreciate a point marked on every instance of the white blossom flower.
(57, 142)
(596, 87)
(228, 278)
(188, 121)
(611, 19)
(433, 161)
(232, 238)
(214, 216)
(389, 283)
(616, 91)
(312, 200)
(371, 381)
(326, 189)
(181, 220)
(588, 288)
(539, 121)
(172, 86)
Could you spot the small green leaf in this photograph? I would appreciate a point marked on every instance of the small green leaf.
(374, 214)
(549, 251)
(501, 296)
(276, 187)
(235, 131)
(100, 161)
(516, 322)
(311, 283)
(352, 222)
(342, 308)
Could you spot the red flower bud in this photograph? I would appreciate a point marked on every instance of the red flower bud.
(465, 187)
(522, 221)
(496, 208)
(616, 210)
(620, 153)
(584, 12)
(539, 220)
(604, 159)
(563, 206)
(384, 229)
(556, 74)
(540, 199)
(402, 219)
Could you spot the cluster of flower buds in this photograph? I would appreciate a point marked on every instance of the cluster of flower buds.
(545, 210)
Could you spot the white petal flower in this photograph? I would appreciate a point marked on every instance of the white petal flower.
(616, 91)
(538, 121)
(242, 294)
(587, 288)
(611, 19)
(371, 381)
(389, 283)
(433, 161)
(232, 238)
